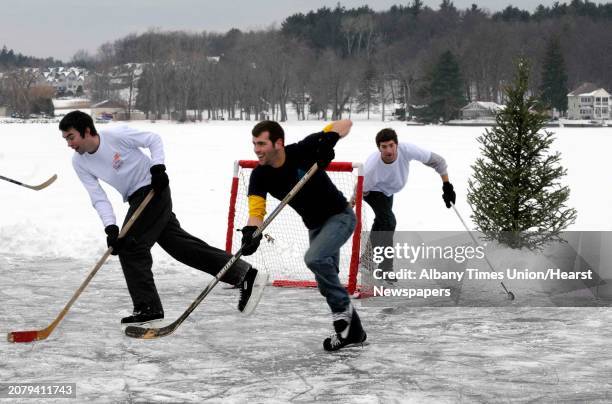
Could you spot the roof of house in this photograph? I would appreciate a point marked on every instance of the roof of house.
(108, 104)
(585, 89)
(483, 105)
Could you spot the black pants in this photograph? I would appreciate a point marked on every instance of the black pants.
(384, 223)
(157, 223)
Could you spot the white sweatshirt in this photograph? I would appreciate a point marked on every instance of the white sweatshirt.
(391, 178)
(120, 163)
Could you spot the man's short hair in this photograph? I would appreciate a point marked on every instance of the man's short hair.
(78, 120)
(273, 128)
(385, 135)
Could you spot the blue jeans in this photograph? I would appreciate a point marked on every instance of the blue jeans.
(323, 256)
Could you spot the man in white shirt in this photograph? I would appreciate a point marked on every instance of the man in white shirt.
(113, 155)
(386, 173)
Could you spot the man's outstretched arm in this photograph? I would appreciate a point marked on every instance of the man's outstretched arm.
(438, 163)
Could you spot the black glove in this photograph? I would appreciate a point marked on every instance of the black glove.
(159, 178)
(448, 195)
(249, 244)
(325, 148)
(112, 238)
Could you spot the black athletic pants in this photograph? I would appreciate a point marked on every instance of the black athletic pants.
(384, 223)
(157, 223)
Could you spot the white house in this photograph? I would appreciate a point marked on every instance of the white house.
(64, 80)
(589, 102)
(480, 110)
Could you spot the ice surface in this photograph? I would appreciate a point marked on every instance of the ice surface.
(416, 355)
(50, 239)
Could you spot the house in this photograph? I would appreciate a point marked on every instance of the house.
(589, 101)
(3, 111)
(65, 81)
(480, 110)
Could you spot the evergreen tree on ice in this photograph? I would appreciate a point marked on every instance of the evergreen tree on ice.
(515, 191)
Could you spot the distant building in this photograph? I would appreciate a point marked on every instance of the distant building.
(588, 101)
(107, 109)
(480, 110)
(65, 80)
(3, 111)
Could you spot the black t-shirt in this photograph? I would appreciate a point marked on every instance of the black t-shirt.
(317, 201)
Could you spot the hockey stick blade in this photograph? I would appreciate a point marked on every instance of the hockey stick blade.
(151, 333)
(44, 184)
(34, 187)
(26, 336)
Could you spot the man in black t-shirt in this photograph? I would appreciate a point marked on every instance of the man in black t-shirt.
(325, 212)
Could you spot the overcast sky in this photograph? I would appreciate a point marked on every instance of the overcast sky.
(59, 28)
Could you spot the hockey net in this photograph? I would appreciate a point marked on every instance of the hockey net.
(285, 241)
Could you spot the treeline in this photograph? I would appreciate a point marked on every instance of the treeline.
(10, 60)
(332, 61)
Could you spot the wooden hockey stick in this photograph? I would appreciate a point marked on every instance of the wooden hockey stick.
(39, 335)
(150, 333)
(34, 187)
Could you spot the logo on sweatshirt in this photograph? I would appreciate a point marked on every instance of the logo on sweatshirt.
(117, 162)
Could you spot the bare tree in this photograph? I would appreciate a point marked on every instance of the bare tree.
(18, 84)
(360, 34)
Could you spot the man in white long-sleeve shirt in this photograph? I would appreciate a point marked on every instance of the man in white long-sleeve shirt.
(113, 155)
(386, 173)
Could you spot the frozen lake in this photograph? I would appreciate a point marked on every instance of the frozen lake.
(50, 239)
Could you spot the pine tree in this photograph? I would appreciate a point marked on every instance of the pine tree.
(443, 94)
(554, 77)
(515, 190)
(416, 7)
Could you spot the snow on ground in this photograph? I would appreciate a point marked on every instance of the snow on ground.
(49, 240)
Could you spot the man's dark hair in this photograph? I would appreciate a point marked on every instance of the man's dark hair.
(272, 127)
(385, 135)
(79, 121)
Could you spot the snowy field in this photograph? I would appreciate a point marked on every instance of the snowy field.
(50, 239)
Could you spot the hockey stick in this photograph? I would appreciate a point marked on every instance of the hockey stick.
(34, 187)
(508, 293)
(38, 335)
(150, 333)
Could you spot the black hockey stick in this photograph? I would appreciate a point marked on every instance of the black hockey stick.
(150, 333)
(508, 293)
(34, 187)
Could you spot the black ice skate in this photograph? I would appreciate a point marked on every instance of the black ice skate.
(143, 316)
(251, 289)
(347, 332)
